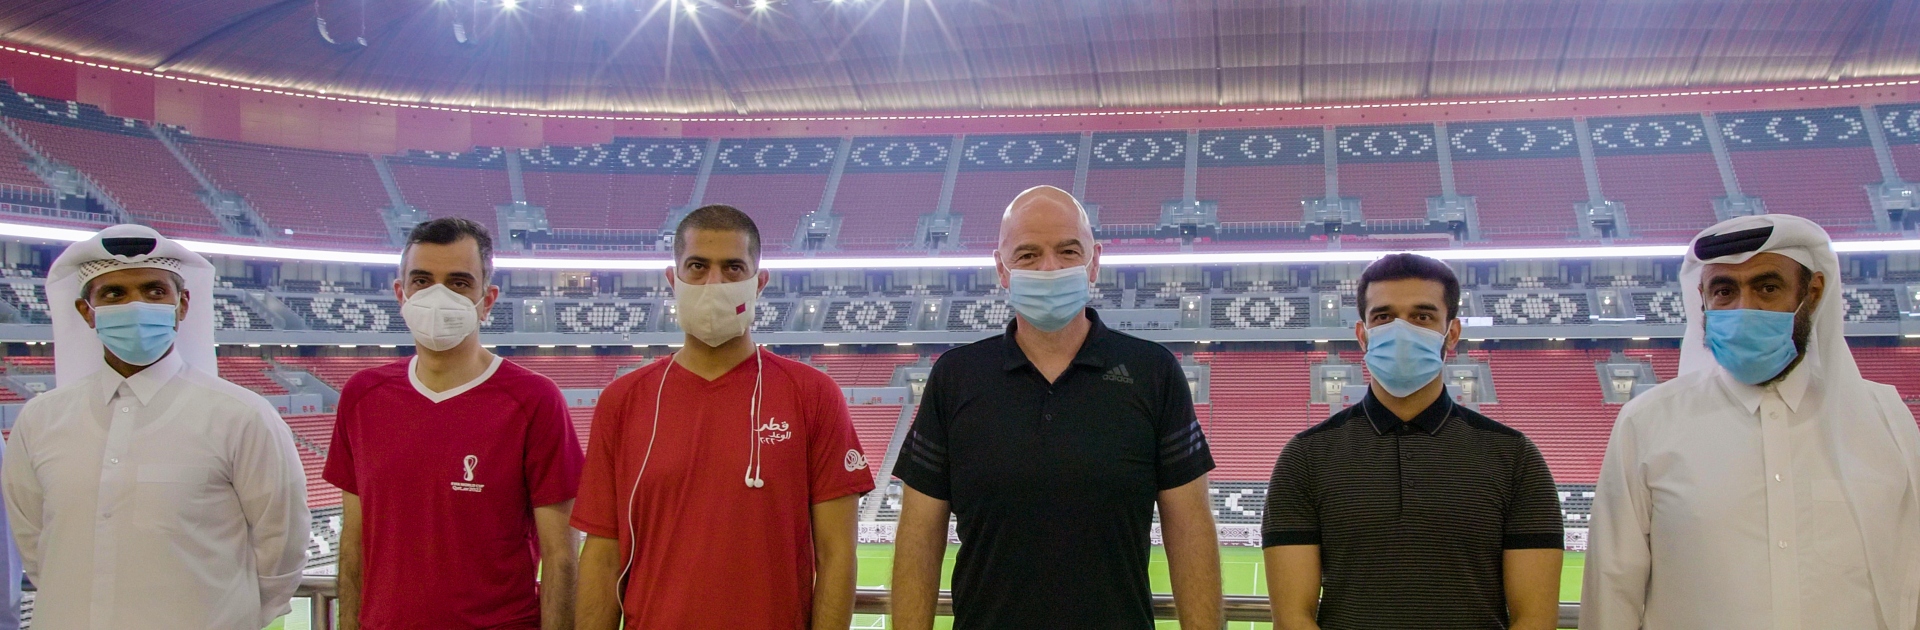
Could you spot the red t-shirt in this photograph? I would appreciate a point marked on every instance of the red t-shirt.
(447, 491)
(712, 552)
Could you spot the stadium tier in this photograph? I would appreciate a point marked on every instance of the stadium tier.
(1524, 180)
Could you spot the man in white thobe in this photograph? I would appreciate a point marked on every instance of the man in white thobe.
(145, 492)
(1769, 485)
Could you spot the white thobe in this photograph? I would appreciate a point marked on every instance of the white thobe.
(1720, 506)
(170, 500)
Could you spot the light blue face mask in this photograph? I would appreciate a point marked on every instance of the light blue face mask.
(1048, 299)
(137, 332)
(1403, 357)
(1753, 345)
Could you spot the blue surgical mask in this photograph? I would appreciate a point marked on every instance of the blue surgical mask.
(137, 332)
(1048, 299)
(1403, 357)
(1753, 345)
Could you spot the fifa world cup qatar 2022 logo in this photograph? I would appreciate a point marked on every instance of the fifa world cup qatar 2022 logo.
(466, 484)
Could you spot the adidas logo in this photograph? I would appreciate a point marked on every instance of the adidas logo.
(1119, 375)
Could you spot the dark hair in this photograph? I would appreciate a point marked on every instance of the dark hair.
(1404, 266)
(449, 230)
(717, 218)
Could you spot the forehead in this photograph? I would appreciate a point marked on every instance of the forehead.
(132, 277)
(1043, 222)
(716, 244)
(1759, 264)
(460, 255)
(1405, 293)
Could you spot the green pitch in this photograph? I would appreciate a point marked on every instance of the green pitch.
(1241, 573)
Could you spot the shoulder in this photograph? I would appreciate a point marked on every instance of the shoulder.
(222, 394)
(985, 352)
(1482, 424)
(54, 402)
(648, 371)
(1129, 346)
(525, 382)
(799, 373)
(1683, 389)
(1327, 427)
(376, 376)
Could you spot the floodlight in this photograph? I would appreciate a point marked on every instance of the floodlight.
(577, 8)
(509, 4)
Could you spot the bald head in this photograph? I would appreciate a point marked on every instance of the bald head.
(1045, 229)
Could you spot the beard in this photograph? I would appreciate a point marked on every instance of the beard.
(1802, 335)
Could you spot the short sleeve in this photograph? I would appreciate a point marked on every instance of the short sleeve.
(836, 467)
(554, 459)
(1292, 518)
(1184, 455)
(922, 464)
(339, 469)
(596, 506)
(1533, 512)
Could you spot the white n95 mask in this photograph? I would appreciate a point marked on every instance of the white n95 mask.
(716, 313)
(439, 318)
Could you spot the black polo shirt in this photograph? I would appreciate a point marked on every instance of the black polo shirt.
(1412, 518)
(1054, 484)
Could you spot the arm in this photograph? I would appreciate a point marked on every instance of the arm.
(834, 562)
(559, 554)
(1193, 554)
(1293, 586)
(349, 580)
(21, 490)
(919, 547)
(596, 605)
(1532, 578)
(1619, 557)
(272, 487)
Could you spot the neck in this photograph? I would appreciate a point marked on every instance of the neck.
(711, 362)
(1409, 407)
(127, 370)
(466, 360)
(1040, 345)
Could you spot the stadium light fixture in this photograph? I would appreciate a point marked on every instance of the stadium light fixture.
(349, 346)
(584, 345)
(905, 344)
(1913, 336)
(509, 5)
(762, 5)
(544, 345)
(579, 8)
(830, 345)
(1643, 339)
(253, 345)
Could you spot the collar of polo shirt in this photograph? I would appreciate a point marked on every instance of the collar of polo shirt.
(1086, 357)
(1430, 420)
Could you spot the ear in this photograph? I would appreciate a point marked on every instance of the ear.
(180, 311)
(487, 298)
(398, 293)
(1360, 332)
(1093, 264)
(1816, 288)
(672, 278)
(86, 310)
(1453, 336)
(764, 278)
(1000, 270)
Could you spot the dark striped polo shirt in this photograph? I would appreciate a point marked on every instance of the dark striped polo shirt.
(1054, 484)
(1412, 518)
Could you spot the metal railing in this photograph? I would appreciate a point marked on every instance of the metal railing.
(874, 601)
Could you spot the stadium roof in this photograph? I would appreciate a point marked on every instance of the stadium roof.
(709, 56)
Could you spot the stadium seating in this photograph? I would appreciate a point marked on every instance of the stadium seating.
(233, 313)
(861, 370)
(30, 299)
(772, 316)
(606, 200)
(863, 315)
(1812, 163)
(334, 371)
(776, 200)
(312, 435)
(1554, 397)
(13, 167)
(1660, 307)
(338, 195)
(469, 186)
(880, 210)
(1133, 196)
(978, 315)
(1874, 304)
(1261, 311)
(1525, 177)
(982, 196)
(607, 316)
(874, 425)
(579, 371)
(1261, 193)
(347, 313)
(1893, 366)
(1254, 411)
(134, 168)
(1521, 308)
(251, 373)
